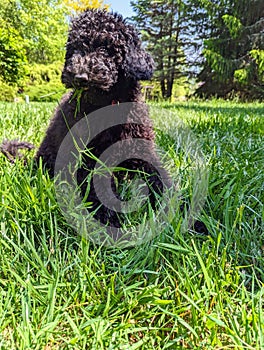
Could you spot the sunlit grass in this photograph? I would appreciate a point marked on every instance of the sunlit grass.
(177, 291)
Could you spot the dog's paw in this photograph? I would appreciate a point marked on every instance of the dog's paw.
(200, 227)
(11, 149)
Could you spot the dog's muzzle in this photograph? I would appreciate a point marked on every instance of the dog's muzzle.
(81, 79)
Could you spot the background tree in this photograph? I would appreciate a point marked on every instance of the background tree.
(32, 44)
(42, 26)
(13, 61)
(234, 51)
(169, 29)
(81, 5)
(159, 24)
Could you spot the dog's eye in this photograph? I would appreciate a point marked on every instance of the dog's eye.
(79, 53)
(112, 51)
(96, 43)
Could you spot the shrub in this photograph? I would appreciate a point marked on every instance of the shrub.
(13, 61)
(45, 73)
(44, 83)
(47, 92)
(7, 92)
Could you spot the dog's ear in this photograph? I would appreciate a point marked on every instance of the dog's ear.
(139, 65)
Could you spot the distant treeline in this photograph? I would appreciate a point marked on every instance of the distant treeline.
(201, 47)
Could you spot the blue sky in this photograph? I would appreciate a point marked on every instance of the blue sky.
(121, 6)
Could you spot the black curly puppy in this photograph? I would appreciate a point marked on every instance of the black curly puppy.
(104, 63)
(104, 59)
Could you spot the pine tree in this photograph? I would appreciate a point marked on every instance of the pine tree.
(234, 52)
(165, 26)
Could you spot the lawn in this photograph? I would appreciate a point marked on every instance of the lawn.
(179, 290)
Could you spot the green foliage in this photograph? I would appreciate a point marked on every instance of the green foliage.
(221, 66)
(241, 76)
(43, 27)
(40, 26)
(163, 24)
(82, 5)
(13, 61)
(152, 90)
(180, 291)
(32, 48)
(233, 54)
(180, 89)
(258, 56)
(233, 24)
(45, 92)
(45, 83)
(40, 73)
(7, 92)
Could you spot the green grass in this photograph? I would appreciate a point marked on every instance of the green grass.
(178, 291)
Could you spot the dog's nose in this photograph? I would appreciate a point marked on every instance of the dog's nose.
(81, 79)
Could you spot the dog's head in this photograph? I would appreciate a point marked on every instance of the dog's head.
(101, 48)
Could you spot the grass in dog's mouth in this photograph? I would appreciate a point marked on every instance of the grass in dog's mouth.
(77, 95)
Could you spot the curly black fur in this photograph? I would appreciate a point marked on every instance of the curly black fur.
(105, 59)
